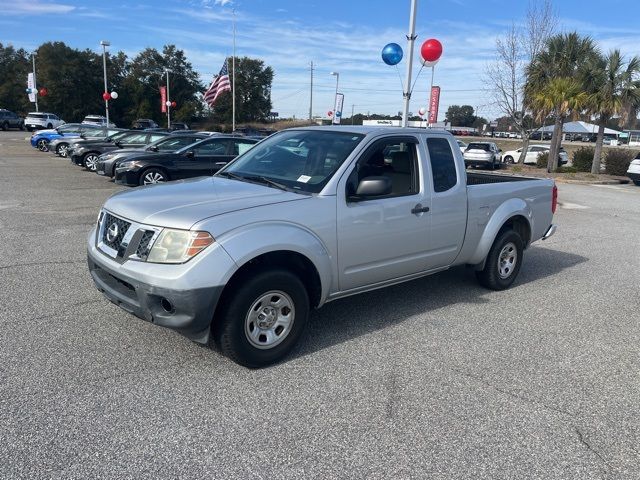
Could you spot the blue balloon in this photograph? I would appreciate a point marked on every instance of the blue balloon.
(392, 54)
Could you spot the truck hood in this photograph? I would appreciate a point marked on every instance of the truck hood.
(182, 204)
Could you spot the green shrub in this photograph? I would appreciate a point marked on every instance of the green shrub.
(617, 161)
(583, 159)
(543, 159)
(567, 170)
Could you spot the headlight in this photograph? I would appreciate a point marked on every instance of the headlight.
(178, 246)
(127, 164)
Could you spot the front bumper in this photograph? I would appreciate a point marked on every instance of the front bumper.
(189, 312)
(635, 177)
(106, 167)
(130, 178)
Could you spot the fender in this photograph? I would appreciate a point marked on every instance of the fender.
(510, 208)
(250, 241)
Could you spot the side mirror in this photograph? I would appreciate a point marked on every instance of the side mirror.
(189, 154)
(372, 187)
(117, 143)
(153, 148)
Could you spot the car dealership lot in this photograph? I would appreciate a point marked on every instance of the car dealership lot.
(437, 378)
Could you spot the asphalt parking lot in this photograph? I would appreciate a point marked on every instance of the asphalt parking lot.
(437, 378)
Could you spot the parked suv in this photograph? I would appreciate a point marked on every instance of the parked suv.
(482, 154)
(634, 170)
(37, 120)
(97, 120)
(143, 123)
(9, 120)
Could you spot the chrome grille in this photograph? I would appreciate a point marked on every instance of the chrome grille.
(145, 243)
(121, 227)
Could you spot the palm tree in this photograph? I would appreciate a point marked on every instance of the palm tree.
(613, 91)
(552, 79)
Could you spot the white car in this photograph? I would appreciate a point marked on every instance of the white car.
(482, 154)
(462, 145)
(533, 152)
(97, 120)
(36, 120)
(634, 170)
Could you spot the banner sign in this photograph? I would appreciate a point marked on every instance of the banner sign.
(337, 111)
(32, 88)
(434, 104)
(163, 99)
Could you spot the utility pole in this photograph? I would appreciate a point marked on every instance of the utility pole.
(311, 95)
(105, 44)
(352, 107)
(233, 77)
(168, 102)
(411, 38)
(35, 84)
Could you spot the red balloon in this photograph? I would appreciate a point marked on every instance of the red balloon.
(173, 104)
(431, 50)
(106, 95)
(330, 113)
(43, 92)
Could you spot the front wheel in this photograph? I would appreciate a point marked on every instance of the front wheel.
(43, 145)
(508, 159)
(152, 176)
(49, 126)
(62, 150)
(263, 318)
(503, 261)
(91, 161)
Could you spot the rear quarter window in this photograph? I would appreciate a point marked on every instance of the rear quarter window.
(443, 165)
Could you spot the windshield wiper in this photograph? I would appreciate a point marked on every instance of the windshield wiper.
(268, 181)
(231, 175)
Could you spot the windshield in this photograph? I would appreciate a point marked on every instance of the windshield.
(478, 146)
(301, 160)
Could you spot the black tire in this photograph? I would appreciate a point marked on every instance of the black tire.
(636, 182)
(147, 175)
(232, 328)
(508, 159)
(493, 276)
(5, 126)
(43, 145)
(49, 126)
(92, 157)
(61, 149)
(21, 126)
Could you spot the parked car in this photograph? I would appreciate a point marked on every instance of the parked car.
(179, 126)
(142, 123)
(634, 170)
(107, 161)
(97, 120)
(86, 154)
(39, 120)
(482, 154)
(202, 158)
(8, 120)
(533, 152)
(41, 139)
(62, 145)
(240, 258)
(463, 146)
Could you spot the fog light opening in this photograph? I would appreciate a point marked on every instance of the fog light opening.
(166, 305)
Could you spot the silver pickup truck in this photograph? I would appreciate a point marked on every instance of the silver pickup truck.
(303, 218)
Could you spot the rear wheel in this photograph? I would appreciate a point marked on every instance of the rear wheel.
(62, 150)
(261, 320)
(49, 126)
(152, 176)
(503, 261)
(508, 159)
(90, 161)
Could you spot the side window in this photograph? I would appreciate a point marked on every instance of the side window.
(394, 159)
(240, 146)
(213, 148)
(173, 144)
(443, 166)
(153, 138)
(535, 149)
(140, 138)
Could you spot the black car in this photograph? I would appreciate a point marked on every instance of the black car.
(9, 120)
(179, 126)
(142, 123)
(107, 161)
(202, 158)
(86, 153)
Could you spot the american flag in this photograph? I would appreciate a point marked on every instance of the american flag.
(220, 84)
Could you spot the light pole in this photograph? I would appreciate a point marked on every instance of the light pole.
(168, 101)
(105, 44)
(35, 84)
(335, 101)
(411, 38)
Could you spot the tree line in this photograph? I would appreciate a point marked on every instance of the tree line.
(556, 76)
(74, 82)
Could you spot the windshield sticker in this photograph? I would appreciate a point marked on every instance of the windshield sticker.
(303, 178)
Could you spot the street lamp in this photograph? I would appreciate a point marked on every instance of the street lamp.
(105, 44)
(35, 83)
(166, 71)
(337, 75)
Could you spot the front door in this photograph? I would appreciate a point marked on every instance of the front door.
(386, 237)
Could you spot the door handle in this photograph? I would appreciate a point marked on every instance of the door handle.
(221, 163)
(419, 209)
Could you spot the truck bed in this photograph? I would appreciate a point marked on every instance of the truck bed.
(474, 178)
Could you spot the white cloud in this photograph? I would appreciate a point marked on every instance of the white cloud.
(36, 7)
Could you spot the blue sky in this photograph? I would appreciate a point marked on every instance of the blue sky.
(344, 36)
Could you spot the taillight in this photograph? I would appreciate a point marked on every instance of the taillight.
(554, 199)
